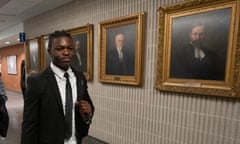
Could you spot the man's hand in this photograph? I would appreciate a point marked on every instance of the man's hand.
(85, 109)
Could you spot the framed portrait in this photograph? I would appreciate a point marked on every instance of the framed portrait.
(83, 44)
(45, 57)
(121, 49)
(33, 55)
(12, 64)
(197, 47)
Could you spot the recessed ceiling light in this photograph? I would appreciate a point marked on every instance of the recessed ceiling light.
(7, 42)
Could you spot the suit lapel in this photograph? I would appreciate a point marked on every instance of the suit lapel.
(53, 83)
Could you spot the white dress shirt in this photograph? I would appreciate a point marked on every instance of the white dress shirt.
(198, 53)
(61, 81)
(79, 58)
(120, 54)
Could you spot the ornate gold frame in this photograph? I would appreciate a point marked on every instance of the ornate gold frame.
(228, 87)
(89, 30)
(28, 65)
(136, 79)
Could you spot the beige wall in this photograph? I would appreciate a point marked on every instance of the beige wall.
(134, 115)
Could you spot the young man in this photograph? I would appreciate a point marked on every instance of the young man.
(57, 107)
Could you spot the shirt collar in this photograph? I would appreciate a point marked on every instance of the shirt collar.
(198, 52)
(59, 72)
(119, 48)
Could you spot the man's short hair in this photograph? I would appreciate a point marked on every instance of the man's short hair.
(196, 25)
(119, 34)
(57, 34)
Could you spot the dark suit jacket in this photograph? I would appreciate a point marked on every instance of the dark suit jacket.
(22, 80)
(4, 118)
(184, 65)
(43, 119)
(117, 67)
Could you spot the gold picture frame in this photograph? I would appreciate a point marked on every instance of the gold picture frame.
(122, 65)
(83, 60)
(33, 55)
(194, 68)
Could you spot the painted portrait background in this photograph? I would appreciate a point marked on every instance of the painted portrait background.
(47, 56)
(130, 34)
(216, 38)
(33, 55)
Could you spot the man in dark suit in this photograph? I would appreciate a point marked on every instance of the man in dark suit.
(4, 118)
(79, 61)
(118, 61)
(195, 61)
(57, 107)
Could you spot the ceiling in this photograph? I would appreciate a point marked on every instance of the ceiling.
(14, 12)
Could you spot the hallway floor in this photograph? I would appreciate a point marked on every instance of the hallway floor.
(15, 111)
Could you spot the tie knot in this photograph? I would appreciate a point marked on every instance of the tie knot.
(120, 49)
(66, 75)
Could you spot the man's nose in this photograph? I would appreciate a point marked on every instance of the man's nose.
(200, 36)
(66, 51)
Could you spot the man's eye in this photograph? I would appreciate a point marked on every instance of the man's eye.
(70, 48)
(58, 48)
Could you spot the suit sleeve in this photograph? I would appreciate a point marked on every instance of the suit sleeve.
(86, 95)
(30, 125)
(81, 126)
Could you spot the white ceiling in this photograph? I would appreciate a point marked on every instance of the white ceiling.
(14, 12)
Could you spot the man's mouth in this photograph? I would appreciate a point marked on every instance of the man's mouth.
(66, 60)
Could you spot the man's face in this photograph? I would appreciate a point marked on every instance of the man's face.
(62, 52)
(197, 34)
(119, 40)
